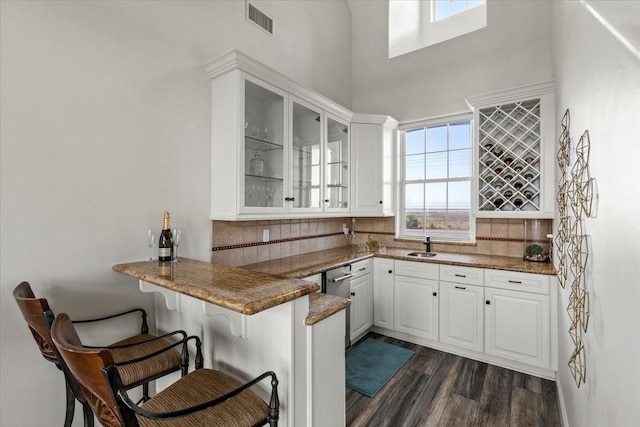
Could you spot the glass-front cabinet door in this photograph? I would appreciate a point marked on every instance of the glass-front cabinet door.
(264, 147)
(306, 157)
(336, 195)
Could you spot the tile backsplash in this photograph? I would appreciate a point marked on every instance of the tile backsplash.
(240, 242)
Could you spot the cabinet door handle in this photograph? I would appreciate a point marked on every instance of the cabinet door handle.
(460, 275)
(487, 302)
(460, 287)
(390, 271)
(380, 201)
(293, 199)
(326, 200)
(515, 281)
(435, 294)
(353, 294)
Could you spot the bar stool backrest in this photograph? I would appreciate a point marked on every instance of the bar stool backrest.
(33, 310)
(87, 366)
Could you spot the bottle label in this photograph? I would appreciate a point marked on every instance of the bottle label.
(164, 252)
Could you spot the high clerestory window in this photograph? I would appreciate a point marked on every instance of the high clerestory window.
(415, 24)
(442, 9)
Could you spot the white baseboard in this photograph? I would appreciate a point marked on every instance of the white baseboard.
(563, 409)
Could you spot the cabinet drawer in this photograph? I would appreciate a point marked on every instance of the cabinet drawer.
(525, 282)
(361, 267)
(465, 275)
(421, 270)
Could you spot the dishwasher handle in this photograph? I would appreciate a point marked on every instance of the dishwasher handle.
(340, 279)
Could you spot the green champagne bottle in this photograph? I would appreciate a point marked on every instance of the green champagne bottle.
(165, 243)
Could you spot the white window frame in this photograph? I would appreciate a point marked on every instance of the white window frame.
(412, 25)
(400, 217)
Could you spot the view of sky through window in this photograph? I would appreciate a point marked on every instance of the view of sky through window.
(437, 181)
(445, 8)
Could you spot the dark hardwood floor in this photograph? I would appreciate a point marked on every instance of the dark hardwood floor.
(440, 389)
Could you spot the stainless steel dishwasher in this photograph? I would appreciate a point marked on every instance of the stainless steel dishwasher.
(338, 282)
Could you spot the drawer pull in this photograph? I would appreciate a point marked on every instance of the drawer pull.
(362, 269)
(515, 281)
(460, 275)
(435, 294)
(390, 271)
(460, 287)
(487, 302)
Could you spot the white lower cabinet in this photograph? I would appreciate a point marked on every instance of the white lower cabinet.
(361, 299)
(462, 315)
(518, 318)
(383, 292)
(501, 317)
(416, 307)
(416, 299)
(517, 326)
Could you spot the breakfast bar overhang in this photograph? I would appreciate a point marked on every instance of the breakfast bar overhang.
(251, 322)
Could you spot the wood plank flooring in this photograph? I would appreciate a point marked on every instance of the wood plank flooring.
(440, 389)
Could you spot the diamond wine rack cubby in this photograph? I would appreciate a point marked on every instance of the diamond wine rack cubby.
(509, 166)
(513, 132)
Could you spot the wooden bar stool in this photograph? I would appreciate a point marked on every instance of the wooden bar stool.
(131, 355)
(204, 397)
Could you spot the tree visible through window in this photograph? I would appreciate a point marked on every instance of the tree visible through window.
(437, 182)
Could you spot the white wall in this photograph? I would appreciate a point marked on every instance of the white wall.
(598, 79)
(513, 50)
(105, 124)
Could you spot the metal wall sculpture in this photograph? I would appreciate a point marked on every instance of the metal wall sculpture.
(575, 191)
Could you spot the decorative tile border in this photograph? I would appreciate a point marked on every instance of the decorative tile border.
(500, 239)
(491, 239)
(271, 242)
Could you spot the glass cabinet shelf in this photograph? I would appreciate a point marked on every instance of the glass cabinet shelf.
(262, 178)
(252, 143)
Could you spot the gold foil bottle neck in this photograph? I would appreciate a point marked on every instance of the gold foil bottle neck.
(166, 221)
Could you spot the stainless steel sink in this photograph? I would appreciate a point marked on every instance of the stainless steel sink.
(421, 254)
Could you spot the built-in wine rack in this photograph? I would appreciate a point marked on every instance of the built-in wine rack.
(510, 157)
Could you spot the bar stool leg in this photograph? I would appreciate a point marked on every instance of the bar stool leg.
(71, 405)
(88, 415)
(145, 392)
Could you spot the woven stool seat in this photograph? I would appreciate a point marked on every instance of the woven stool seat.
(243, 410)
(39, 317)
(202, 398)
(137, 372)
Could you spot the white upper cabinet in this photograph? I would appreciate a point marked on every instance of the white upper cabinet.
(279, 150)
(337, 166)
(306, 157)
(373, 143)
(263, 148)
(514, 152)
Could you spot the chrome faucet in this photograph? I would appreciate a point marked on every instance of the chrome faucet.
(427, 244)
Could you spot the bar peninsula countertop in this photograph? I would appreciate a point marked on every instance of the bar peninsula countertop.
(237, 289)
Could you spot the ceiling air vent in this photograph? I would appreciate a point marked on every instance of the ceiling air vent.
(260, 19)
